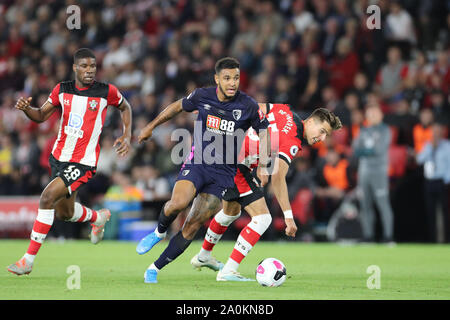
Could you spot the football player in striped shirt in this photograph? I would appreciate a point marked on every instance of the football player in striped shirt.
(287, 134)
(83, 103)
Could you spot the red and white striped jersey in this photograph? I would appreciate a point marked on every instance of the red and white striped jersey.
(83, 116)
(286, 136)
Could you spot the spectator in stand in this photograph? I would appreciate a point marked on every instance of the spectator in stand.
(330, 99)
(422, 132)
(322, 10)
(357, 123)
(130, 79)
(345, 108)
(309, 45)
(302, 18)
(15, 42)
(403, 121)
(334, 182)
(400, 27)
(313, 80)
(389, 81)
(440, 107)
(435, 158)
(343, 67)
(441, 68)
(219, 26)
(329, 38)
(116, 55)
(361, 87)
(154, 187)
(301, 177)
(153, 79)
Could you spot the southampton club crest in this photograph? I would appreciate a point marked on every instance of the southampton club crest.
(237, 114)
(93, 105)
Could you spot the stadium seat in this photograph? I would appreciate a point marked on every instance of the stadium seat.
(241, 222)
(301, 206)
(398, 157)
(341, 136)
(394, 134)
(279, 224)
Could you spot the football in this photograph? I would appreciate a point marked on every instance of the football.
(271, 272)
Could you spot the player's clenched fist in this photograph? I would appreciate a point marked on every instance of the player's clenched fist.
(291, 227)
(23, 104)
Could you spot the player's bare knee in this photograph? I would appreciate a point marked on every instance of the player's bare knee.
(261, 222)
(175, 206)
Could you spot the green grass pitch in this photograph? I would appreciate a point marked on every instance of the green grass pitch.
(113, 270)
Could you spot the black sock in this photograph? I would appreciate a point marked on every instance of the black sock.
(164, 221)
(176, 246)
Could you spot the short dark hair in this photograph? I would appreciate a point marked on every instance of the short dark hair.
(324, 114)
(83, 53)
(226, 63)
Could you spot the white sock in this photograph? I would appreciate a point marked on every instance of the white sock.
(153, 267)
(29, 257)
(231, 265)
(204, 255)
(160, 235)
(84, 214)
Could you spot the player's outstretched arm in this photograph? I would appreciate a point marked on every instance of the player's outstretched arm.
(35, 114)
(124, 141)
(280, 190)
(168, 113)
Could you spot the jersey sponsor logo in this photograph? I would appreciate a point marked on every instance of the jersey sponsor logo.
(74, 125)
(207, 107)
(75, 120)
(213, 122)
(185, 172)
(220, 126)
(66, 102)
(237, 114)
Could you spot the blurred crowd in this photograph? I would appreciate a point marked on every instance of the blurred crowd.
(306, 53)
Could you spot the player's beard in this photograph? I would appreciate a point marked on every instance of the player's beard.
(224, 94)
(88, 82)
(84, 82)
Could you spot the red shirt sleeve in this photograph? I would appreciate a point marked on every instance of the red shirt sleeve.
(115, 98)
(53, 98)
(289, 149)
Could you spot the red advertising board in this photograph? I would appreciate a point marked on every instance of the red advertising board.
(17, 215)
